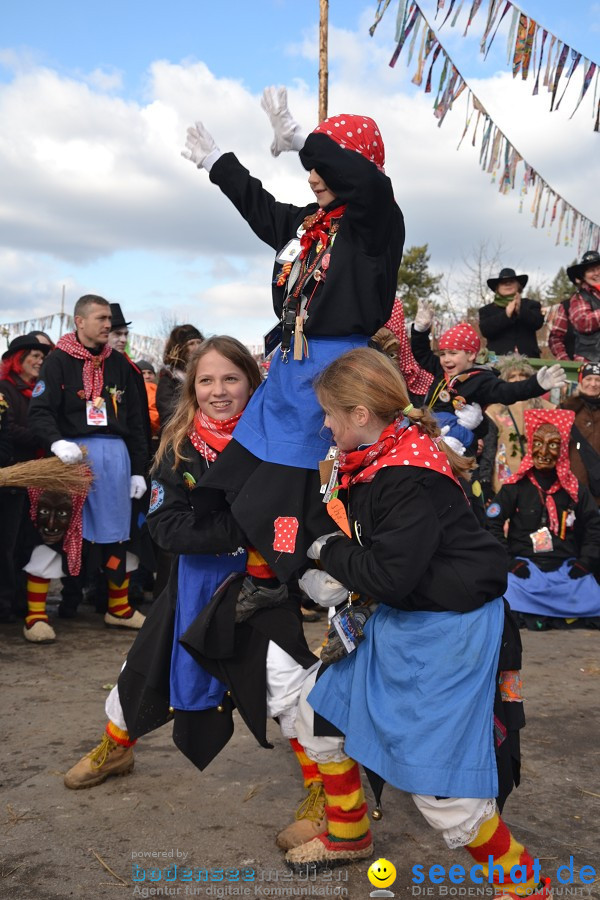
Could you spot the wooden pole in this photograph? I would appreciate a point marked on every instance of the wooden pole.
(323, 71)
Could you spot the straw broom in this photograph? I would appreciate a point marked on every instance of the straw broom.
(48, 474)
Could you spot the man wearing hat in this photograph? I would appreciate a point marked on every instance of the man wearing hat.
(119, 329)
(584, 308)
(87, 396)
(509, 323)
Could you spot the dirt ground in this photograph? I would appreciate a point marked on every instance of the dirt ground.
(147, 833)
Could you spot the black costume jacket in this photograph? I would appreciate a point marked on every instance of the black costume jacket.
(522, 505)
(25, 444)
(505, 334)
(58, 407)
(422, 547)
(357, 294)
(236, 653)
(477, 384)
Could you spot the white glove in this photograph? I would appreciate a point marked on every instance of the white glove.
(451, 442)
(137, 487)
(470, 416)
(314, 551)
(323, 588)
(67, 451)
(287, 132)
(551, 377)
(200, 147)
(424, 316)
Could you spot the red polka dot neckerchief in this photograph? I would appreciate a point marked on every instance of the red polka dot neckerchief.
(397, 445)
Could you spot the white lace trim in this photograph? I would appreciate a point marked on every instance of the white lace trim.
(462, 834)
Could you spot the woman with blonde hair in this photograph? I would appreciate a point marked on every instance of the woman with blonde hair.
(417, 698)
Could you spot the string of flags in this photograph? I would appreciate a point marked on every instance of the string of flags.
(140, 346)
(531, 48)
(497, 155)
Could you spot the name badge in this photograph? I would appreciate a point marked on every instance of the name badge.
(95, 412)
(349, 628)
(542, 540)
(289, 252)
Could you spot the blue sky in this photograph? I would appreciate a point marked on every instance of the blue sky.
(95, 100)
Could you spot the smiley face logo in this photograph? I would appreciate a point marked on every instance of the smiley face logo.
(382, 873)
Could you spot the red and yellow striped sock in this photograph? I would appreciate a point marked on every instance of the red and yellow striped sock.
(118, 735)
(310, 770)
(118, 603)
(345, 806)
(37, 592)
(495, 840)
(257, 566)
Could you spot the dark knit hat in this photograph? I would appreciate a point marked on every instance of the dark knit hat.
(145, 364)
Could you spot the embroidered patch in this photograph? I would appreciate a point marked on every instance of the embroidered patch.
(286, 529)
(39, 389)
(493, 510)
(157, 495)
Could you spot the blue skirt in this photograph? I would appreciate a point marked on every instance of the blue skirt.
(107, 509)
(554, 594)
(415, 699)
(283, 422)
(199, 575)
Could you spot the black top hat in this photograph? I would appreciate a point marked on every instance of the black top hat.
(25, 342)
(507, 275)
(590, 258)
(118, 319)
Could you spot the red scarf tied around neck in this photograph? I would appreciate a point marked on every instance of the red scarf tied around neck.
(210, 436)
(397, 445)
(93, 365)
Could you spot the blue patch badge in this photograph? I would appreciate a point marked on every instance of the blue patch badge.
(39, 389)
(493, 510)
(157, 495)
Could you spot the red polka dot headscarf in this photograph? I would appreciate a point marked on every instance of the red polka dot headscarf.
(359, 133)
(460, 337)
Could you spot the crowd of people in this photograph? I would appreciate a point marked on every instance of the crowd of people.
(424, 502)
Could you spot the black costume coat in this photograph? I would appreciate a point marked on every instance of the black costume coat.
(144, 683)
(505, 334)
(58, 411)
(522, 505)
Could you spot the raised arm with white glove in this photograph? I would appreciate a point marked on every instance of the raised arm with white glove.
(200, 147)
(550, 377)
(137, 487)
(67, 451)
(470, 416)
(324, 589)
(424, 316)
(287, 133)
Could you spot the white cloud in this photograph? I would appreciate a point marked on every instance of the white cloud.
(86, 176)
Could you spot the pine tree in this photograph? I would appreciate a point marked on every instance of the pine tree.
(415, 281)
(561, 287)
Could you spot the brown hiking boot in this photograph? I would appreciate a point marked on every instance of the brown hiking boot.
(108, 758)
(310, 820)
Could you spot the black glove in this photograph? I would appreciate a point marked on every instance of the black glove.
(520, 568)
(578, 569)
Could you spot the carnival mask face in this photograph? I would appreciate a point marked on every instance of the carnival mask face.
(545, 447)
(54, 511)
